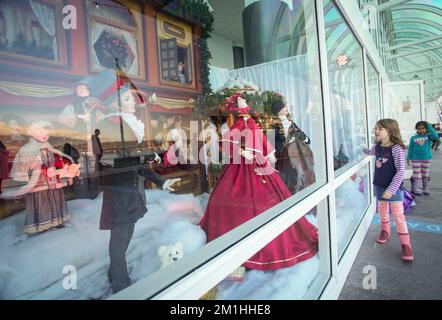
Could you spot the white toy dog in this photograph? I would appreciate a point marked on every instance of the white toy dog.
(170, 253)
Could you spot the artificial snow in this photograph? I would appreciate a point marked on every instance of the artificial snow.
(32, 267)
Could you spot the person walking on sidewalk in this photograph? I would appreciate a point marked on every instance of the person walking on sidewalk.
(388, 182)
(419, 153)
(436, 143)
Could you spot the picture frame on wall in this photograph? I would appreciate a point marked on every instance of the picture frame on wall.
(115, 32)
(31, 31)
(176, 65)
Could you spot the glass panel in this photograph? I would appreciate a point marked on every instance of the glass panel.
(373, 102)
(432, 3)
(416, 25)
(112, 175)
(304, 280)
(290, 109)
(414, 14)
(402, 103)
(352, 200)
(347, 96)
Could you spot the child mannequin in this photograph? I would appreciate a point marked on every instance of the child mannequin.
(34, 165)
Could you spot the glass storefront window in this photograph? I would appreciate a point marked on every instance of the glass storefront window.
(301, 281)
(346, 78)
(124, 142)
(352, 200)
(373, 101)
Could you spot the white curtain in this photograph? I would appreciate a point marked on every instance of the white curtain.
(217, 77)
(8, 15)
(289, 77)
(97, 30)
(348, 113)
(132, 42)
(129, 37)
(46, 16)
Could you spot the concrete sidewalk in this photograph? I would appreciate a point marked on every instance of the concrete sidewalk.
(397, 279)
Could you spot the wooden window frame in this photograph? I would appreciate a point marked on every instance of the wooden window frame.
(61, 43)
(160, 34)
(135, 9)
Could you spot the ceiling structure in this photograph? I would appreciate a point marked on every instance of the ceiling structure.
(412, 45)
(228, 19)
(409, 36)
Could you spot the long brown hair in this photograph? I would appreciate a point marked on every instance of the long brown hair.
(392, 128)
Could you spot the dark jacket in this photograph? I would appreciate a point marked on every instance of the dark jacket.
(124, 198)
(280, 138)
(4, 168)
(295, 160)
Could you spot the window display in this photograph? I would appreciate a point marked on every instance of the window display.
(347, 95)
(250, 185)
(295, 158)
(168, 165)
(300, 281)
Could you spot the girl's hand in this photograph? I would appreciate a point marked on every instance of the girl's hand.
(387, 195)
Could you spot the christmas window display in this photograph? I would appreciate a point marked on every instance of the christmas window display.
(169, 134)
(172, 219)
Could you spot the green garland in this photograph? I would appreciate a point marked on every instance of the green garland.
(211, 103)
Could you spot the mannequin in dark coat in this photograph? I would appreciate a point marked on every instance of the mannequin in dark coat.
(294, 157)
(124, 200)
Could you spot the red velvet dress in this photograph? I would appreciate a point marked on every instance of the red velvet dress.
(241, 194)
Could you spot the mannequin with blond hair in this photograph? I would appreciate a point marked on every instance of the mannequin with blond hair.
(33, 175)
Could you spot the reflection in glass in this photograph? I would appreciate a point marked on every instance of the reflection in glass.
(148, 149)
(302, 281)
(352, 200)
(249, 185)
(346, 77)
(373, 101)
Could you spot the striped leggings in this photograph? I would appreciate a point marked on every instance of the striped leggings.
(421, 168)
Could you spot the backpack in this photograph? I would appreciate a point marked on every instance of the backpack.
(408, 200)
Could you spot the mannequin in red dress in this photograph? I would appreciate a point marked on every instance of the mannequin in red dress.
(248, 186)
